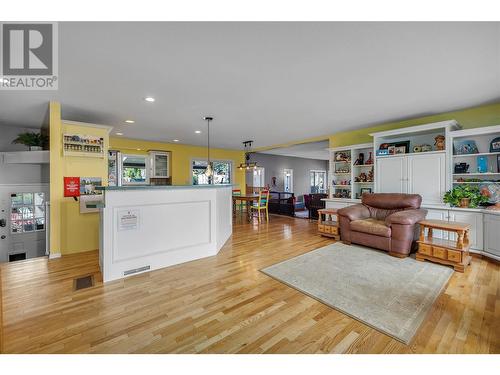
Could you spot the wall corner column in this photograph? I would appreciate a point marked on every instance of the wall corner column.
(56, 178)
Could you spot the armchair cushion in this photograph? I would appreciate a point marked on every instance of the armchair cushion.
(371, 226)
(355, 212)
(406, 217)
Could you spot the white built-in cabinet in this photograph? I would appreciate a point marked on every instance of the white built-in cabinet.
(390, 175)
(423, 174)
(431, 174)
(492, 235)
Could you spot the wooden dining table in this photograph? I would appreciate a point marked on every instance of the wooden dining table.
(248, 199)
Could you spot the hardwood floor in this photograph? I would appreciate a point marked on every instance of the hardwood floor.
(223, 304)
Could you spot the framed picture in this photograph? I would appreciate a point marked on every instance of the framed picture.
(403, 145)
(463, 147)
(392, 150)
(400, 150)
(495, 145)
(365, 191)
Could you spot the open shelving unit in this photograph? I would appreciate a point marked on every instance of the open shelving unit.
(343, 173)
(482, 139)
(83, 145)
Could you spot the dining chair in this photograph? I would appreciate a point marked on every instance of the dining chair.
(237, 192)
(262, 204)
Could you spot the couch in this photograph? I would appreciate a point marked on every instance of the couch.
(385, 221)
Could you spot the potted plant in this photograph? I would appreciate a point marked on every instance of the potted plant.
(464, 196)
(33, 140)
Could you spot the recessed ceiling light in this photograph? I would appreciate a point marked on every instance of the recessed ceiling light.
(138, 149)
(129, 121)
(176, 140)
(149, 99)
(119, 133)
(197, 131)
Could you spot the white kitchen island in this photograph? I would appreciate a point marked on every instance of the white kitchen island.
(143, 228)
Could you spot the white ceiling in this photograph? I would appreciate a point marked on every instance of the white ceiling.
(311, 150)
(271, 82)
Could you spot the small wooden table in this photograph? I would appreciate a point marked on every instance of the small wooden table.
(328, 227)
(248, 198)
(454, 253)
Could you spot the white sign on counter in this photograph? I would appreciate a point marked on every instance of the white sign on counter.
(128, 219)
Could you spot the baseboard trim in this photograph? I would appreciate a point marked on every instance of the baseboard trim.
(54, 255)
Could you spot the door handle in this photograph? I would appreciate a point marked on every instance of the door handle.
(3, 223)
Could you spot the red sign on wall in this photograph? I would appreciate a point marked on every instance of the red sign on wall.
(71, 186)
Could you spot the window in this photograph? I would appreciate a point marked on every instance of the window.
(222, 172)
(27, 212)
(258, 177)
(134, 170)
(288, 180)
(318, 182)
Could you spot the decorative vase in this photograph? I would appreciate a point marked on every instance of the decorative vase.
(370, 160)
(464, 202)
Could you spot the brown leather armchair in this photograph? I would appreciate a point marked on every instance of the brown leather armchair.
(385, 221)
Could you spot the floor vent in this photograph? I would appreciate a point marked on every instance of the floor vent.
(136, 270)
(84, 282)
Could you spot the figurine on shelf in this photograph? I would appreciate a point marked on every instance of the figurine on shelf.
(360, 160)
(369, 178)
(370, 159)
(362, 177)
(342, 156)
(439, 142)
(342, 170)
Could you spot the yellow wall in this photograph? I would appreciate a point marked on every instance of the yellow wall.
(72, 232)
(468, 118)
(80, 232)
(182, 156)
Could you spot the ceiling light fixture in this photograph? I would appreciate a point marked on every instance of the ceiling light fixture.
(197, 131)
(119, 133)
(176, 140)
(149, 99)
(247, 145)
(129, 121)
(209, 172)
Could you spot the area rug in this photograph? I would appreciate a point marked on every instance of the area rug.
(389, 294)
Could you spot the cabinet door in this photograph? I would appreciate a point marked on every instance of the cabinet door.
(492, 234)
(433, 214)
(391, 175)
(427, 177)
(476, 227)
(160, 164)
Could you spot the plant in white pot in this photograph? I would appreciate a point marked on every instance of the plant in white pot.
(33, 140)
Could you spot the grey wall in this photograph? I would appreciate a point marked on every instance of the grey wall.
(275, 164)
(19, 173)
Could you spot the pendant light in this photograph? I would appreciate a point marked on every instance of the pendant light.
(247, 145)
(209, 172)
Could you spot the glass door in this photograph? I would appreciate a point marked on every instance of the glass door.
(288, 180)
(318, 182)
(23, 223)
(160, 164)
